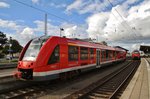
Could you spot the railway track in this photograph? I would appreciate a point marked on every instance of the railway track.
(108, 87)
(7, 66)
(26, 90)
(6, 75)
(16, 89)
(6, 79)
(34, 90)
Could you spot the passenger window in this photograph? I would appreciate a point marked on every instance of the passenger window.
(54, 58)
(107, 54)
(91, 53)
(84, 53)
(103, 55)
(73, 53)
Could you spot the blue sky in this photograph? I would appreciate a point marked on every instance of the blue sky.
(18, 11)
(80, 18)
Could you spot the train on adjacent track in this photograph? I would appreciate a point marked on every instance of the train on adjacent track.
(136, 55)
(51, 57)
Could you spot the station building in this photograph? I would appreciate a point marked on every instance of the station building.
(145, 49)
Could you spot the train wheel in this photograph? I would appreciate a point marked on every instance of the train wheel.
(71, 74)
(79, 71)
(63, 76)
(68, 75)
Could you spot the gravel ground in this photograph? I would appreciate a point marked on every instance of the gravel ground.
(66, 88)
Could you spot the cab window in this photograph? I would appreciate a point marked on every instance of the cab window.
(54, 58)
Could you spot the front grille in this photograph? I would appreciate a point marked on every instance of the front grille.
(26, 74)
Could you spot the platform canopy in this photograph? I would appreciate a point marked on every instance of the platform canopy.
(121, 48)
(145, 49)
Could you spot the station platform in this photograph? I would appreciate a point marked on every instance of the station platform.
(139, 86)
(7, 72)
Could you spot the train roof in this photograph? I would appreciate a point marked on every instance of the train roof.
(79, 42)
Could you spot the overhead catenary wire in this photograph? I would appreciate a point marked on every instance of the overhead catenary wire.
(41, 10)
(123, 25)
(118, 20)
(122, 18)
(44, 11)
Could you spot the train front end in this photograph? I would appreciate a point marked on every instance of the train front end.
(27, 59)
(136, 55)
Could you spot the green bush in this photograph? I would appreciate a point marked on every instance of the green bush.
(14, 61)
(2, 55)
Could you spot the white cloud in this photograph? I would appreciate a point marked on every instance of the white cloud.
(85, 6)
(51, 29)
(4, 5)
(135, 46)
(57, 6)
(90, 6)
(11, 25)
(127, 3)
(35, 1)
(16, 30)
(74, 31)
(75, 5)
(134, 23)
(25, 35)
(70, 31)
(129, 46)
(27, 32)
(96, 24)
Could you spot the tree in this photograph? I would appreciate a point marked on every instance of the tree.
(15, 47)
(104, 42)
(3, 39)
(5, 49)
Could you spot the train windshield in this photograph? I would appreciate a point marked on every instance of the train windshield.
(33, 49)
(136, 52)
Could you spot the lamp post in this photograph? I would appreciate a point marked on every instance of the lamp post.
(45, 24)
(61, 29)
(10, 48)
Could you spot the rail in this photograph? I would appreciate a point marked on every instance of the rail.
(106, 87)
(30, 90)
(7, 66)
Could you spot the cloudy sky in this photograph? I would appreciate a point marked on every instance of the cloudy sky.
(123, 23)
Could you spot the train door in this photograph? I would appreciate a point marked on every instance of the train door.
(97, 58)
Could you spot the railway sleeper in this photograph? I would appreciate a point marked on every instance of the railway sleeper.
(108, 90)
(22, 91)
(98, 93)
(99, 96)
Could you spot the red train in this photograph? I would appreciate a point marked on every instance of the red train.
(54, 57)
(136, 55)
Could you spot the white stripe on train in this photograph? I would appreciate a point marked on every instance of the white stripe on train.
(68, 69)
